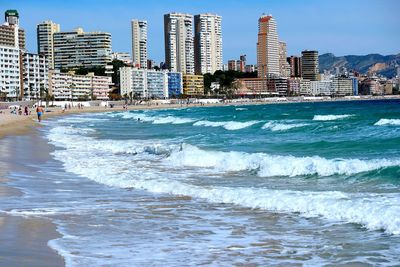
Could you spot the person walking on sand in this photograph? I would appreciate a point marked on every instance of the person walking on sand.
(39, 111)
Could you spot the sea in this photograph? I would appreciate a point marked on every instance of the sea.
(300, 184)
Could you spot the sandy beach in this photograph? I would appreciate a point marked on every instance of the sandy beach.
(24, 240)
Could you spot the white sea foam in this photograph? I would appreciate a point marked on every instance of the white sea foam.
(172, 120)
(153, 119)
(240, 109)
(331, 117)
(109, 162)
(383, 122)
(276, 126)
(228, 125)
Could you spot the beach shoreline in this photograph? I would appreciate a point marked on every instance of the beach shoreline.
(19, 124)
(23, 240)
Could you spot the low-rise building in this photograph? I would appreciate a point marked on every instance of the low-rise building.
(145, 83)
(175, 84)
(342, 86)
(69, 86)
(294, 86)
(35, 76)
(321, 88)
(193, 85)
(278, 86)
(305, 87)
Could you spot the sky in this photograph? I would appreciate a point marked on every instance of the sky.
(342, 27)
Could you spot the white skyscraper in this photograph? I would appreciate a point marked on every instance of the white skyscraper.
(179, 51)
(267, 47)
(207, 43)
(139, 43)
(45, 31)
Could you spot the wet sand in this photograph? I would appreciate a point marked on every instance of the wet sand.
(23, 240)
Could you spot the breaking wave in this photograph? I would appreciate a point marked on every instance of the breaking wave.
(228, 125)
(330, 117)
(383, 122)
(276, 126)
(130, 164)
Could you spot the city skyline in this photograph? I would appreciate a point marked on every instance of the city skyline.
(341, 34)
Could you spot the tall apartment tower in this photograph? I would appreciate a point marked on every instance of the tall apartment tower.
(207, 43)
(267, 47)
(12, 46)
(81, 49)
(179, 51)
(310, 65)
(139, 43)
(45, 44)
(284, 67)
(10, 32)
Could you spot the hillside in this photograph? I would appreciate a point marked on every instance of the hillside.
(372, 63)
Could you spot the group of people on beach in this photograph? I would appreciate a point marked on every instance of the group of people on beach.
(21, 111)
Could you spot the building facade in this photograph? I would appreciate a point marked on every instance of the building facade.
(178, 35)
(310, 65)
(267, 47)
(12, 45)
(35, 76)
(139, 43)
(207, 43)
(284, 67)
(122, 56)
(175, 84)
(71, 87)
(10, 72)
(295, 66)
(193, 85)
(81, 49)
(342, 86)
(45, 44)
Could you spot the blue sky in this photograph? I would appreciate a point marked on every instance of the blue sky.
(342, 26)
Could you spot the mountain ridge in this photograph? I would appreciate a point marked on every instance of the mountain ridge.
(366, 64)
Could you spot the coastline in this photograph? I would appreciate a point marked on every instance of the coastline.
(18, 125)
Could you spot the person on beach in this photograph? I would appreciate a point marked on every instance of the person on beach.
(39, 111)
(26, 112)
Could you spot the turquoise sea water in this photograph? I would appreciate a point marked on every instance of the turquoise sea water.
(291, 184)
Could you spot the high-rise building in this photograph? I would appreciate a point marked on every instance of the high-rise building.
(267, 47)
(207, 43)
(179, 51)
(35, 75)
(12, 45)
(309, 65)
(295, 66)
(284, 67)
(11, 34)
(45, 31)
(139, 43)
(122, 56)
(81, 49)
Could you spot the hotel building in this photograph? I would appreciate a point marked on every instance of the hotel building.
(45, 32)
(284, 67)
(267, 48)
(207, 43)
(295, 66)
(139, 43)
(178, 35)
(81, 49)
